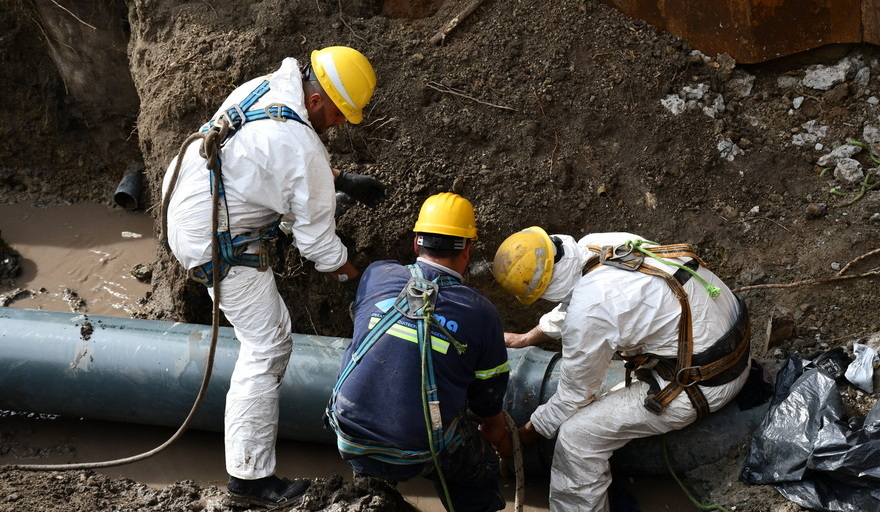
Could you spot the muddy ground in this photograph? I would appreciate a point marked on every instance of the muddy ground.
(564, 114)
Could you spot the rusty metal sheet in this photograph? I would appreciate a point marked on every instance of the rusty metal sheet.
(754, 31)
(871, 21)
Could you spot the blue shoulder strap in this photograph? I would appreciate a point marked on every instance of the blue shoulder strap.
(241, 113)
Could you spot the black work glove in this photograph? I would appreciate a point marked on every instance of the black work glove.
(343, 203)
(365, 189)
(351, 287)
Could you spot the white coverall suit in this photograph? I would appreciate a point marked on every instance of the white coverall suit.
(606, 311)
(269, 169)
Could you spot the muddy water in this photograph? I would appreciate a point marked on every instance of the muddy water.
(198, 456)
(84, 251)
(90, 250)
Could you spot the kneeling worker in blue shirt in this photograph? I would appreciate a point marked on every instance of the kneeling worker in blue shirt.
(427, 362)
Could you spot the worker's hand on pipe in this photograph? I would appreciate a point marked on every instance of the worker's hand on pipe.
(516, 340)
(285, 234)
(349, 277)
(520, 340)
(365, 189)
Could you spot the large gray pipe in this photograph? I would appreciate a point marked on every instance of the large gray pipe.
(149, 372)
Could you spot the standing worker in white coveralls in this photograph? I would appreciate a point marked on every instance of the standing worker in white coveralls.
(682, 332)
(274, 168)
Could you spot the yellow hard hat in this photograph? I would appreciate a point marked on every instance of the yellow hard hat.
(347, 77)
(524, 264)
(447, 214)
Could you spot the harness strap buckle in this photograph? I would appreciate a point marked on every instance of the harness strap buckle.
(235, 116)
(616, 252)
(621, 256)
(419, 293)
(263, 259)
(199, 275)
(683, 373)
(278, 109)
(204, 274)
(654, 405)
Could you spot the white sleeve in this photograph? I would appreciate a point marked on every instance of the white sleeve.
(552, 322)
(589, 340)
(311, 214)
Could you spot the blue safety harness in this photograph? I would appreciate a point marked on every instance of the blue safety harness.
(232, 249)
(416, 302)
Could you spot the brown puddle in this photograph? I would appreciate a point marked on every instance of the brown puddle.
(198, 456)
(84, 250)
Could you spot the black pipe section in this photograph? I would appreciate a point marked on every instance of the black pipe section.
(128, 192)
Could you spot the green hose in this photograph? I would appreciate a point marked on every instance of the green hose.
(425, 345)
(683, 488)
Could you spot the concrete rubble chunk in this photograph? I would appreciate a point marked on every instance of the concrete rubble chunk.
(696, 97)
(674, 104)
(871, 134)
(823, 78)
(812, 132)
(717, 107)
(863, 78)
(694, 93)
(741, 85)
(729, 150)
(787, 82)
(845, 151)
(849, 170)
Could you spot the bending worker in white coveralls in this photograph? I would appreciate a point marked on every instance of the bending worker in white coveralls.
(274, 168)
(682, 332)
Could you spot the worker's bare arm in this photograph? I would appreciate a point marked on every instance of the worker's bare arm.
(519, 340)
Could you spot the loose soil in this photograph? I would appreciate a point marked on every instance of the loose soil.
(541, 113)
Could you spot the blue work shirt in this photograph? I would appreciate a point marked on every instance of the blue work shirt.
(381, 400)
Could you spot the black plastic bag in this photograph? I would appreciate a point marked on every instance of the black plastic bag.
(807, 450)
(823, 493)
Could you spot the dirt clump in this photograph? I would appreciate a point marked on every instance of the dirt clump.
(564, 114)
(87, 490)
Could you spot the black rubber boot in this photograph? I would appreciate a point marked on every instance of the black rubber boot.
(270, 491)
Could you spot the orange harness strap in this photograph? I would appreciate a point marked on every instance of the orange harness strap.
(681, 373)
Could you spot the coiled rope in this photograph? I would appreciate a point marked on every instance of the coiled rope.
(210, 150)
